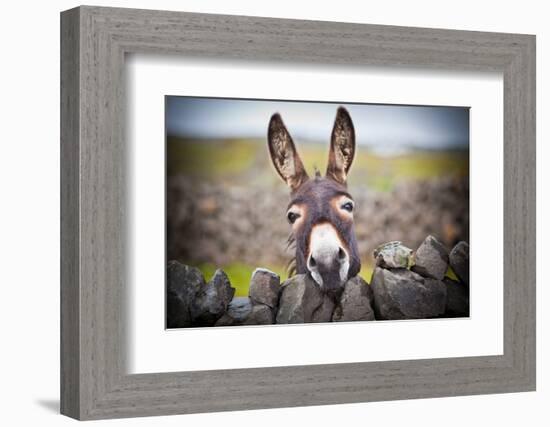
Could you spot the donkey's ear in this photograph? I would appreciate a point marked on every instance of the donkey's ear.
(283, 153)
(342, 147)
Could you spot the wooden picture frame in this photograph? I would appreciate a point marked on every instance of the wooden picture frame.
(94, 41)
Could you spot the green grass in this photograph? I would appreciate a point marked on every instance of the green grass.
(239, 274)
(207, 158)
(366, 271)
(383, 173)
(247, 161)
(451, 274)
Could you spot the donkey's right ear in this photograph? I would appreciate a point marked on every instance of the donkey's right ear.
(283, 153)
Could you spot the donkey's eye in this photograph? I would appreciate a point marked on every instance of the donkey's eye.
(348, 206)
(292, 217)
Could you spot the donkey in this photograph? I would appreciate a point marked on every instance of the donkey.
(320, 211)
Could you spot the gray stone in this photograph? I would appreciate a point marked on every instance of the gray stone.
(459, 259)
(431, 259)
(300, 298)
(212, 300)
(243, 311)
(261, 314)
(393, 255)
(458, 299)
(182, 284)
(403, 294)
(355, 302)
(323, 313)
(237, 312)
(265, 287)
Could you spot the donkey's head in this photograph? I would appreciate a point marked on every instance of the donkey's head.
(320, 210)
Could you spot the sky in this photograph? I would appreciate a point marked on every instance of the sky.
(381, 127)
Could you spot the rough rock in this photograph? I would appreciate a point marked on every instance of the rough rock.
(212, 300)
(458, 299)
(459, 259)
(431, 259)
(242, 311)
(300, 297)
(261, 315)
(393, 255)
(323, 313)
(403, 294)
(355, 302)
(265, 287)
(183, 283)
(237, 312)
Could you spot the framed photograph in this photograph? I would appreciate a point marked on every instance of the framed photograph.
(224, 203)
(277, 213)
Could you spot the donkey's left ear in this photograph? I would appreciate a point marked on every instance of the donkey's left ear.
(342, 147)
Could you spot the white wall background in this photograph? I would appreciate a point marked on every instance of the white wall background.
(29, 211)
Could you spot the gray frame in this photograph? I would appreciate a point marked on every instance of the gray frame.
(94, 42)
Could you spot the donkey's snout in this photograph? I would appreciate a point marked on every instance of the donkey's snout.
(328, 261)
(329, 268)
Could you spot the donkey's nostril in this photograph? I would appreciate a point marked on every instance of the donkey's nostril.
(341, 254)
(312, 262)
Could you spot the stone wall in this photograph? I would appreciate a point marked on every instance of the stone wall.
(405, 284)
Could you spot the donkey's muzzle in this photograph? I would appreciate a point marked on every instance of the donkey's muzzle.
(328, 261)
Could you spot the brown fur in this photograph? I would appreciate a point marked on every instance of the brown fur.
(317, 195)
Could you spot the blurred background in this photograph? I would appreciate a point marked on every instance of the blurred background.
(226, 205)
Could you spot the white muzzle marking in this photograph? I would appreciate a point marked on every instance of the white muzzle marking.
(326, 252)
